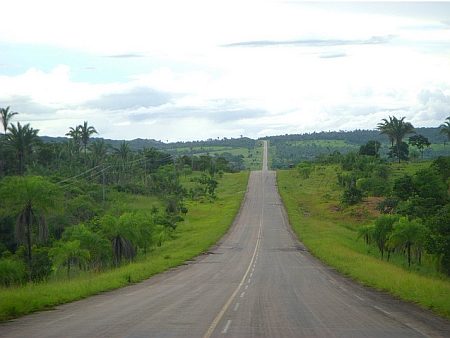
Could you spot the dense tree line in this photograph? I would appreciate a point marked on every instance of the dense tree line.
(64, 204)
(317, 146)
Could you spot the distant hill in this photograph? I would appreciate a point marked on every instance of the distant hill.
(286, 149)
(135, 145)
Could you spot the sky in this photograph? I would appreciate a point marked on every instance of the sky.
(195, 70)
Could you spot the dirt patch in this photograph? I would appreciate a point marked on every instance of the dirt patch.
(363, 210)
(370, 203)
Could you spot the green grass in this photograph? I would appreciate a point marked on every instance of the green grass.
(330, 235)
(252, 159)
(203, 226)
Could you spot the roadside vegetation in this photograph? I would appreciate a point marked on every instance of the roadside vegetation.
(384, 223)
(80, 217)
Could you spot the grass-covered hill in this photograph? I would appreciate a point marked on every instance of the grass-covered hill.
(285, 150)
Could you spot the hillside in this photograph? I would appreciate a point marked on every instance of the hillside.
(285, 149)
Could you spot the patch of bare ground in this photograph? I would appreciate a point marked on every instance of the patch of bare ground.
(369, 205)
(364, 210)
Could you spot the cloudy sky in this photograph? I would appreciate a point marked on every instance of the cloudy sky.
(193, 70)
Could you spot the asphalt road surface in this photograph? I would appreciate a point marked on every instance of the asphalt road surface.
(259, 281)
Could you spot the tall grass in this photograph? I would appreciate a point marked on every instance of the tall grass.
(329, 234)
(203, 226)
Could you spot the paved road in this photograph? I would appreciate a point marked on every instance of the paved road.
(259, 281)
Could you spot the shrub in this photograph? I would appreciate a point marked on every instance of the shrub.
(12, 272)
(352, 196)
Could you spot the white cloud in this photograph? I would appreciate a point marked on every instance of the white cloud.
(288, 68)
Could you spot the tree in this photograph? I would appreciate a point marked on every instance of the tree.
(30, 198)
(352, 195)
(386, 128)
(396, 129)
(365, 232)
(421, 194)
(401, 129)
(445, 128)
(99, 150)
(75, 134)
(22, 139)
(99, 247)
(404, 151)
(381, 232)
(305, 168)
(403, 187)
(6, 117)
(414, 155)
(68, 253)
(85, 133)
(407, 234)
(371, 148)
(438, 239)
(122, 236)
(420, 142)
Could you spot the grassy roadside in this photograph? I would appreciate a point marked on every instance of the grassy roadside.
(204, 225)
(330, 235)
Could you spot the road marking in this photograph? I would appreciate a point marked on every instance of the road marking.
(227, 326)
(242, 294)
(343, 288)
(227, 304)
(358, 297)
(236, 307)
(101, 304)
(249, 281)
(380, 309)
(59, 320)
(417, 330)
(251, 274)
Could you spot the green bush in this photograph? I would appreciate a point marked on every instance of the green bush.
(374, 186)
(352, 196)
(12, 272)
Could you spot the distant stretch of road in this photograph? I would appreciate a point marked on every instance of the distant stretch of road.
(259, 281)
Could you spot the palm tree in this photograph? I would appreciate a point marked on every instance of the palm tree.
(123, 154)
(99, 150)
(407, 234)
(30, 198)
(75, 134)
(382, 231)
(85, 133)
(6, 117)
(396, 129)
(121, 235)
(401, 129)
(386, 129)
(445, 128)
(22, 139)
(69, 253)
